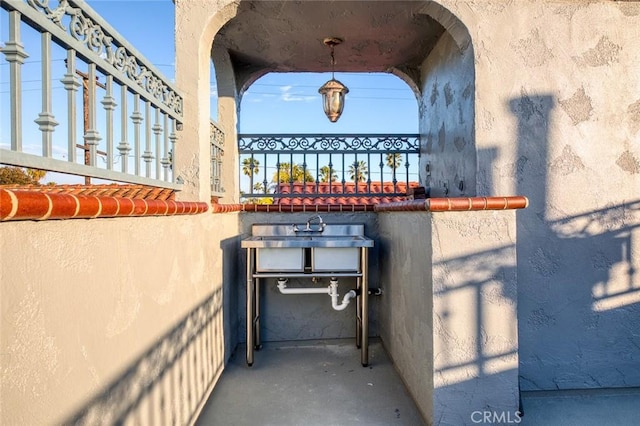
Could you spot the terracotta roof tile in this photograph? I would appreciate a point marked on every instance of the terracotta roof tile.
(138, 192)
(335, 193)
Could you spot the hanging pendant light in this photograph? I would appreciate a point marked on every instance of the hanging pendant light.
(333, 91)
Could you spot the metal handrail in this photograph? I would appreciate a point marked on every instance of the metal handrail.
(327, 165)
(131, 85)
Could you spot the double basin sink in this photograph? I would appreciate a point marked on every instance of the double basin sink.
(307, 249)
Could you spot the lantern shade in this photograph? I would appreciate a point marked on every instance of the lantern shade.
(333, 98)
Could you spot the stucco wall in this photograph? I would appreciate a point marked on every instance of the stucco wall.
(448, 315)
(406, 325)
(557, 120)
(447, 149)
(301, 317)
(104, 318)
(475, 338)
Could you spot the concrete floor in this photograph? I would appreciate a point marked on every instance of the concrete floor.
(597, 407)
(322, 383)
(310, 383)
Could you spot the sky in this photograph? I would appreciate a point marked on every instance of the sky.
(275, 103)
(376, 102)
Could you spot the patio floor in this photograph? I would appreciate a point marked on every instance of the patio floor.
(322, 383)
(310, 383)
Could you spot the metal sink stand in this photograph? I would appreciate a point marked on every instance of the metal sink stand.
(253, 302)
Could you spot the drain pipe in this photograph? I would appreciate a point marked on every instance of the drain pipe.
(332, 291)
(282, 286)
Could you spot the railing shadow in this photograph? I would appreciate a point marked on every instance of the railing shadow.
(167, 384)
(578, 288)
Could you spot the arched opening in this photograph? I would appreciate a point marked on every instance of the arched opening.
(278, 104)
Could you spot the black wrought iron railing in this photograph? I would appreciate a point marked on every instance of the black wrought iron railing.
(277, 166)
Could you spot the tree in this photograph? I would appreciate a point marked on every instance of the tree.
(328, 174)
(286, 173)
(394, 160)
(358, 171)
(19, 176)
(250, 168)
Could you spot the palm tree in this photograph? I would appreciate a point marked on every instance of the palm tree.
(394, 160)
(258, 187)
(286, 173)
(250, 168)
(358, 171)
(328, 174)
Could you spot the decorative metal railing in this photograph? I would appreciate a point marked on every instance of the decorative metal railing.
(314, 165)
(217, 152)
(122, 92)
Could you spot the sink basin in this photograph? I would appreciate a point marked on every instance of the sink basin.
(280, 248)
(293, 241)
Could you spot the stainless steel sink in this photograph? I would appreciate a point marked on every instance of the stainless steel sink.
(296, 241)
(313, 249)
(298, 247)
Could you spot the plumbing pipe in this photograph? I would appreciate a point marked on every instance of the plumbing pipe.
(282, 286)
(333, 292)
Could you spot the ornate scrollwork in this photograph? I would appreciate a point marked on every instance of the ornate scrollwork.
(302, 143)
(84, 29)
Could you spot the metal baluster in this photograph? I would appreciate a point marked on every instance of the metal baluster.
(406, 166)
(147, 156)
(369, 174)
(46, 122)
(109, 103)
(344, 182)
(92, 137)
(393, 171)
(15, 54)
(165, 158)
(157, 130)
(317, 171)
(265, 182)
(123, 147)
(330, 175)
(277, 173)
(291, 173)
(381, 165)
(136, 117)
(356, 172)
(173, 138)
(71, 85)
(304, 173)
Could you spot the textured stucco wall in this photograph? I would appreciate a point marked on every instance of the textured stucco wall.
(196, 23)
(448, 315)
(447, 150)
(88, 304)
(475, 334)
(406, 325)
(557, 95)
(301, 317)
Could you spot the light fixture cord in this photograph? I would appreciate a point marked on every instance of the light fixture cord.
(333, 64)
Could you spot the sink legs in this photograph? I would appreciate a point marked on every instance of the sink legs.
(253, 308)
(364, 309)
(250, 306)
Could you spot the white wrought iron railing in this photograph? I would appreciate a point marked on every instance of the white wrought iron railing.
(130, 111)
(217, 152)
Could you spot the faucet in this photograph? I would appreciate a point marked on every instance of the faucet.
(321, 224)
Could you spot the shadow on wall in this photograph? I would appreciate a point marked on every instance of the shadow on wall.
(579, 293)
(488, 284)
(232, 257)
(167, 384)
(476, 351)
